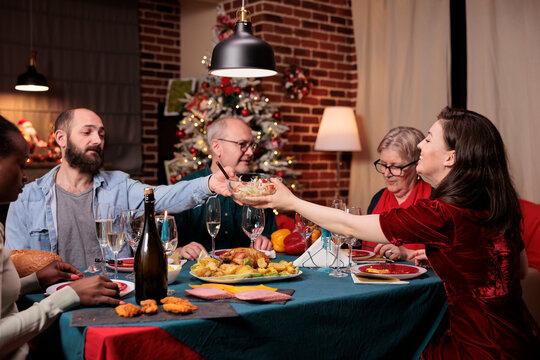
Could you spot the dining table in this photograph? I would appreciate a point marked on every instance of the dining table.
(326, 318)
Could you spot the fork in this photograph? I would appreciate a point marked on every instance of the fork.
(92, 269)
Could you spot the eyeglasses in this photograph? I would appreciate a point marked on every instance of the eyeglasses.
(244, 145)
(394, 170)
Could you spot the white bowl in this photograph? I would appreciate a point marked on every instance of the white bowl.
(172, 275)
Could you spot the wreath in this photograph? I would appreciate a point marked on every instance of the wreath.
(297, 82)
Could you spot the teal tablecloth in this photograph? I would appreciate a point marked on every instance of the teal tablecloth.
(328, 318)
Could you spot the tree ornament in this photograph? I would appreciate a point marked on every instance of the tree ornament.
(180, 133)
(245, 112)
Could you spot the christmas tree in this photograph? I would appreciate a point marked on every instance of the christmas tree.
(238, 97)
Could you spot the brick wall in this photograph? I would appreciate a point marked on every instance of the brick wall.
(159, 33)
(317, 36)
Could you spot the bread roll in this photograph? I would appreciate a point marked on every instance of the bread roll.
(29, 261)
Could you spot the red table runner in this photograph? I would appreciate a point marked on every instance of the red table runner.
(134, 342)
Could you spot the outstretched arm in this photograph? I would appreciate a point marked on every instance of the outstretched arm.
(365, 227)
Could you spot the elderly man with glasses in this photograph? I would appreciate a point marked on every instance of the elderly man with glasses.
(231, 143)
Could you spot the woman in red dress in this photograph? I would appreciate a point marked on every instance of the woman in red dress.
(471, 232)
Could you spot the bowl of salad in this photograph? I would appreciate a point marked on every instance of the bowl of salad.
(251, 184)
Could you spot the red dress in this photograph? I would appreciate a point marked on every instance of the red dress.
(480, 272)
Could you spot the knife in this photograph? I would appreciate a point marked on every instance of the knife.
(110, 262)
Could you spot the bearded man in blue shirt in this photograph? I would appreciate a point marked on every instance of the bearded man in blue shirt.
(55, 212)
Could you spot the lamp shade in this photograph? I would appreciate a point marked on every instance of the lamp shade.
(31, 80)
(338, 130)
(243, 55)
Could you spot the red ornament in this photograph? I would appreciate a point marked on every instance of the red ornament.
(277, 115)
(280, 173)
(193, 151)
(180, 133)
(173, 179)
(245, 112)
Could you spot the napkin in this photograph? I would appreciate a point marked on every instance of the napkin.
(377, 279)
(315, 255)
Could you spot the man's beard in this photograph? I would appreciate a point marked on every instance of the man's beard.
(85, 163)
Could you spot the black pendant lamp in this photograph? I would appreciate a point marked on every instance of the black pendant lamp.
(31, 80)
(243, 55)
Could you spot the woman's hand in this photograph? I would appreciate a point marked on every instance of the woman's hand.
(96, 290)
(420, 258)
(218, 183)
(388, 251)
(282, 199)
(55, 272)
(191, 251)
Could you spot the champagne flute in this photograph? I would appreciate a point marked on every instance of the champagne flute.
(252, 223)
(338, 239)
(305, 227)
(166, 226)
(134, 226)
(213, 220)
(354, 210)
(103, 226)
(115, 237)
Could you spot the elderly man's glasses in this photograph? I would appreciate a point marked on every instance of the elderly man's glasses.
(394, 170)
(244, 145)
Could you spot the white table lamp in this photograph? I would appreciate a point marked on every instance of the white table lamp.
(338, 132)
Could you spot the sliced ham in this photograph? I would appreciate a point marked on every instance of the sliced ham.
(262, 295)
(210, 293)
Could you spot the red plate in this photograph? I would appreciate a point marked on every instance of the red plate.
(399, 271)
(361, 253)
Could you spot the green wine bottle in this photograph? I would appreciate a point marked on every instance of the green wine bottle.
(150, 260)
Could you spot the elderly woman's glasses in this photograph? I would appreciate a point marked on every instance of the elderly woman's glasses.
(394, 170)
(244, 145)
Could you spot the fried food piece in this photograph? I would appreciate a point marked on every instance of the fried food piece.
(246, 256)
(177, 305)
(149, 306)
(128, 310)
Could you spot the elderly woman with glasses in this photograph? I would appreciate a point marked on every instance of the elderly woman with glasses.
(398, 155)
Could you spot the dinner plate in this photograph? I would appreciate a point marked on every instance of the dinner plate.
(126, 266)
(400, 271)
(362, 254)
(129, 287)
(260, 279)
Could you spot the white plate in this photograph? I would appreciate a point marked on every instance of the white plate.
(127, 269)
(130, 287)
(418, 270)
(259, 279)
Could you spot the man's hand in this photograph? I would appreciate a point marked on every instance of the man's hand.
(217, 182)
(262, 243)
(97, 290)
(191, 251)
(57, 271)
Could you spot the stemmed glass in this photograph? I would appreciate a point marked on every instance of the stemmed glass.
(213, 220)
(166, 227)
(103, 226)
(252, 222)
(168, 233)
(115, 237)
(134, 227)
(338, 240)
(354, 210)
(305, 227)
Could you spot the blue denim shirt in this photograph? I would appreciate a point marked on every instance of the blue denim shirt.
(31, 220)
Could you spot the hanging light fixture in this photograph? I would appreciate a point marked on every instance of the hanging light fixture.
(31, 80)
(243, 55)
